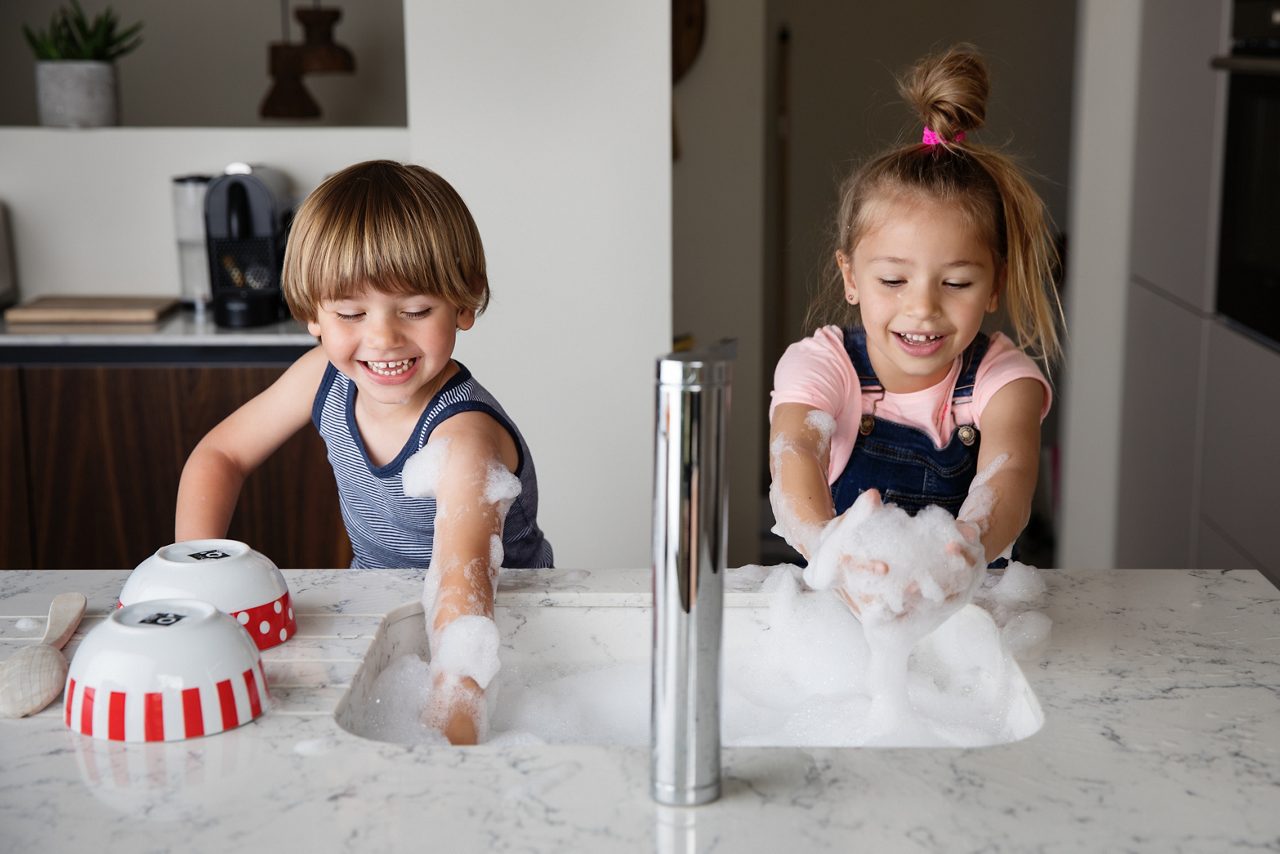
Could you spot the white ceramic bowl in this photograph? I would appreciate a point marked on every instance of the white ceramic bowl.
(164, 670)
(236, 579)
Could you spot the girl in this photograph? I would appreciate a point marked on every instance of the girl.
(906, 395)
(385, 266)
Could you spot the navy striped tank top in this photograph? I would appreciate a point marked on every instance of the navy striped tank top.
(389, 529)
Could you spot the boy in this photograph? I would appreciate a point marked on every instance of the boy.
(385, 266)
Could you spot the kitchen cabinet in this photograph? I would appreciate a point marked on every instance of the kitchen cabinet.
(1157, 489)
(1178, 127)
(15, 533)
(1240, 494)
(1215, 550)
(104, 449)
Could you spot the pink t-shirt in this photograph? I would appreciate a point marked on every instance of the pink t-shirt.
(817, 372)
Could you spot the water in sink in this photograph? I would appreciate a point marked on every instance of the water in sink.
(794, 671)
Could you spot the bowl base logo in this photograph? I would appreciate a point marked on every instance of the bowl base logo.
(161, 619)
(209, 554)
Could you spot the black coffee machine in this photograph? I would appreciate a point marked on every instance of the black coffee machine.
(247, 215)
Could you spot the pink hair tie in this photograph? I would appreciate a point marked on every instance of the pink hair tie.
(931, 138)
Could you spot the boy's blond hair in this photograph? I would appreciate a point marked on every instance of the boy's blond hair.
(949, 92)
(397, 228)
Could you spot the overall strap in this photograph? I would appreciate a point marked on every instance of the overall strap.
(971, 359)
(855, 344)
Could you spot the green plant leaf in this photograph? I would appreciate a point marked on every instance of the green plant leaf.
(73, 35)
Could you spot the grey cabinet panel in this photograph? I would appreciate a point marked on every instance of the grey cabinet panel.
(1240, 495)
(1156, 502)
(1180, 105)
(1215, 551)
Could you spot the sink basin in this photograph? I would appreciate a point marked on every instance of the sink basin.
(579, 674)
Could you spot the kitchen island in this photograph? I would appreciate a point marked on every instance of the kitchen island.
(1160, 689)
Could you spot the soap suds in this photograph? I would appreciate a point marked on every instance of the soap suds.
(421, 472)
(796, 673)
(799, 534)
(467, 647)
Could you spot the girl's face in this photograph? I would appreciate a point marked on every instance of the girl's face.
(922, 279)
(394, 347)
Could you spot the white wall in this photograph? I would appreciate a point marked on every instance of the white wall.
(553, 121)
(718, 227)
(206, 64)
(1097, 288)
(92, 211)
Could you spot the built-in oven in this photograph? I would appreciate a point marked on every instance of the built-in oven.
(1248, 287)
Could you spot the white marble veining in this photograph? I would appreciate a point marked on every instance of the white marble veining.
(1161, 691)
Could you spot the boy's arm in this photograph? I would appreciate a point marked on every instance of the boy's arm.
(1010, 429)
(475, 488)
(219, 464)
(799, 453)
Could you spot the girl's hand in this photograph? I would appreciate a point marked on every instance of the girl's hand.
(849, 566)
(856, 574)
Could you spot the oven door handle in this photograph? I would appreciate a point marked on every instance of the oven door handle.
(1264, 65)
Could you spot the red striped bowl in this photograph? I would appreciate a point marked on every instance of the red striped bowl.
(238, 580)
(164, 670)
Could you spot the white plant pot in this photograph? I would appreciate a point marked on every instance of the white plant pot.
(76, 94)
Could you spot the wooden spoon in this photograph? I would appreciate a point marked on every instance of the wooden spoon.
(33, 677)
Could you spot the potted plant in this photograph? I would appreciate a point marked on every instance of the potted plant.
(75, 66)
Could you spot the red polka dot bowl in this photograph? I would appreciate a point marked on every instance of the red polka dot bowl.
(164, 670)
(236, 579)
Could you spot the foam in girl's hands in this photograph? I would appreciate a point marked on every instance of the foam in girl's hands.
(927, 558)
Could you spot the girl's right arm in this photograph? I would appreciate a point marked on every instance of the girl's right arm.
(219, 464)
(799, 453)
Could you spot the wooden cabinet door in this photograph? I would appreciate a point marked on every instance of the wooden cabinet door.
(15, 529)
(106, 450)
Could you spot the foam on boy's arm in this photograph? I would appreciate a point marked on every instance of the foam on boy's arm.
(422, 471)
(467, 648)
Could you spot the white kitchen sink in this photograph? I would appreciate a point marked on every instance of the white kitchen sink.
(575, 674)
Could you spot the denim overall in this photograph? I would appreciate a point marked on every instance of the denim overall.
(901, 461)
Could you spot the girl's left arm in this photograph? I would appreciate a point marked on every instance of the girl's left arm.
(1010, 428)
(470, 512)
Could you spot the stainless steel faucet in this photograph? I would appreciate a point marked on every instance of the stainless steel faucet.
(689, 521)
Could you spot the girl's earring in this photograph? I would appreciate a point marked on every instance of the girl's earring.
(852, 300)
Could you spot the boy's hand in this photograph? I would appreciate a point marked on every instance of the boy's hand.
(455, 709)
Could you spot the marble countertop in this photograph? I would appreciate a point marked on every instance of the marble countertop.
(1161, 691)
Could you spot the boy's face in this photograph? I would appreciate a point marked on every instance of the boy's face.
(923, 280)
(394, 347)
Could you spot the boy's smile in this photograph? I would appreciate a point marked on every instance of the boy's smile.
(396, 348)
(922, 279)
